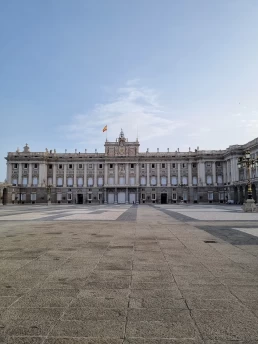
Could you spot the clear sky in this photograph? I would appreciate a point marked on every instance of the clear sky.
(184, 72)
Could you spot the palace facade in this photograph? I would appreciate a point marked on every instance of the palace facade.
(123, 174)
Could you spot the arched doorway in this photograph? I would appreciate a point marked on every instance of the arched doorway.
(4, 196)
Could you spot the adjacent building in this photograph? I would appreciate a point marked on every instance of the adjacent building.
(123, 174)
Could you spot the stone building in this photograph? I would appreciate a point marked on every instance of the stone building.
(123, 174)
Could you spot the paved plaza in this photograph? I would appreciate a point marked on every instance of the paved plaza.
(125, 274)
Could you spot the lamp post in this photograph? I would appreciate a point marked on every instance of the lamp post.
(247, 162)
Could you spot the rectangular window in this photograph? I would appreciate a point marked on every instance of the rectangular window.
(143, 197)
(163, 165)
(59, 181)
(90, 181)
(163, 181)
(60, 166)
(184, 180)
(80, 166)
(152, 165)
(110, 165)
(174, 181)
(218, 163)
(69, 197)
(70, 166)
(194, 165)
(99, 196)
(50, 166)
(143, 181)
(100, 181)
(25, 181)
(80, 181)
(89, 196)
(174, 198)
(194, 180)
(208, 164)
(132, 181)
(33, 197)
(210, 196)
(100, 166)
(153, 196)
(23, 197)
(183, 165)
(15, 166)
(69, 181)
(219, 179)
(132, 165)
(14, 182)
(25, 165)
(49, 181)
(111, 181)
(35, 165)
(173, 165)
(35, 181)
(59, 197)
(90, 165)
(209, 180)
(153, 180)
(121, 180)
(143, 166)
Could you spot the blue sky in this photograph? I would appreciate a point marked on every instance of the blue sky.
(185, 72)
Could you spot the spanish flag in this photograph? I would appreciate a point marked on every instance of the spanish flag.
(105, 128)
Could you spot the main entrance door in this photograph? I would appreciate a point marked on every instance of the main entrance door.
(164, 198)
(132, 198)
(80, 198)
(111, 198)
(121, 197)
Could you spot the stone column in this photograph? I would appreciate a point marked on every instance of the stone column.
(65, 179)
(126, 196)
(214, 181)
(179, 173)
(105, 196)
(105, 174)
(158, 174)
(40, 175)
(54, 175)
(224, 168)
(148, 175)
(190, 177)
(20, 174)
(85, 176)
(75, 176)
(137, 182)
(95, 181)
(169, 177)
(137, 196)
(30, 175)
(116, 174)
(236, 170)
(229, 171)
(127, 174)
(202, 173)
(115, 196)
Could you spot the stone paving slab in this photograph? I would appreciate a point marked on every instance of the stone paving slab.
(146, 278)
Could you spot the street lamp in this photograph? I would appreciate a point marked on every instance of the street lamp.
(247, 162)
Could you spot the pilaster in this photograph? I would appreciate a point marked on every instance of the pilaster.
(158, 174)
(54, 174)
(85, 176)
(214, 181)
(75, 175)
(190, 177)
(148, 175)
(169, 177)
(95, 181)
(20, 173)
(30, 175)
(65, 178)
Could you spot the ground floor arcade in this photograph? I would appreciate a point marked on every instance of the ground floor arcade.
(128, 195)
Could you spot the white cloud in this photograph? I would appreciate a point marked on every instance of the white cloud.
(133, 108)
